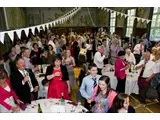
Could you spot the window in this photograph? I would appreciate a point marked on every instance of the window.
(112, 22)
(130, 21)
(155, 25)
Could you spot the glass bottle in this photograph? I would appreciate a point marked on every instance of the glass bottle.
(39, 108)
(62, 99)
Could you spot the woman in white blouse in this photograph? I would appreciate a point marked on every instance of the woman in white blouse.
(129, 56)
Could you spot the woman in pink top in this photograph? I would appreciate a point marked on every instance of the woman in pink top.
(104, 97)
(120, 71)
(7, 95)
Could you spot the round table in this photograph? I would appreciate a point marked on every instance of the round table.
(53, 106)
(131, 82)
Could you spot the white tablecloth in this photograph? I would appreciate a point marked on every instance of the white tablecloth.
(40, 92)
(39, 79)
(131, 82)
(47, 104)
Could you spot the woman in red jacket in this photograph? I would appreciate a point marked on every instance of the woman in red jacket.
(7, 95)
(120, 71)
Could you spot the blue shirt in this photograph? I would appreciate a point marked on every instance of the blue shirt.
(87, 86)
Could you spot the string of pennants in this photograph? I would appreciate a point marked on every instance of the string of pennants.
(125, 15)
(60, 20)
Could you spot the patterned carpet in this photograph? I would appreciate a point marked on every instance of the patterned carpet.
(150, 107)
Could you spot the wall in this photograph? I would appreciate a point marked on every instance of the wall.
(16, 17)
(43, 15)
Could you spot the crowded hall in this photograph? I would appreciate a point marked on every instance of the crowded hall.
(80, 60)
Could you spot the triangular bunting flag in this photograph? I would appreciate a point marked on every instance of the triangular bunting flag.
(43, 26)
(47, 25)
(18, 32)
(108, 10)
(11, 35)
(53, 24)
(26, 30)
(142, 19)
(2, 37)
(33, 30)
(125, 15)
(121, 14)
(148, 21)
(118, 13)
(138, 19)
(38, 28)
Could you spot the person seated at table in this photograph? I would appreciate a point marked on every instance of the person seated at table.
(104, 97)
(146, 67)
(120, 71)
(121, 104)
(23, 82)
(45, 84)
(57, 75)
(129, 56)
(89, 86)
(8, 96)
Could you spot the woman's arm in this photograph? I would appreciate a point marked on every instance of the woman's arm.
(49, 77)
(68, 85)
(49, 74)
(6, 105)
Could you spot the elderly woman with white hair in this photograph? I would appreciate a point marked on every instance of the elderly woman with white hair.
(129, 56)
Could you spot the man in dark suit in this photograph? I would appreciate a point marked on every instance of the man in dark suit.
(24, 82)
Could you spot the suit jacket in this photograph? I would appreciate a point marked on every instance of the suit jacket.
(23, 91)
(64, 70)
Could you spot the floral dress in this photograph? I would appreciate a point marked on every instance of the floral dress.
(101, 104)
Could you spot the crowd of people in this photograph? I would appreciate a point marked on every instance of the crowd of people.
(85, 53)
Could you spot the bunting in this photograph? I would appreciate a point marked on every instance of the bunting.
(60, 20)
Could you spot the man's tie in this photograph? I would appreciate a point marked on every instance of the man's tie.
(27, 74)
(95, 83)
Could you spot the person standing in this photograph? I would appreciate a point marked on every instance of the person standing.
(58, 80)
(146, 67)
(120, 71)
(138, 51)
(106, 50)
(98, 59)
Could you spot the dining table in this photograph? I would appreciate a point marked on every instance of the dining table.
(53, 105)
(131, 85)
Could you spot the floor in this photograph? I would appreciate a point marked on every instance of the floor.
(150, 107)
